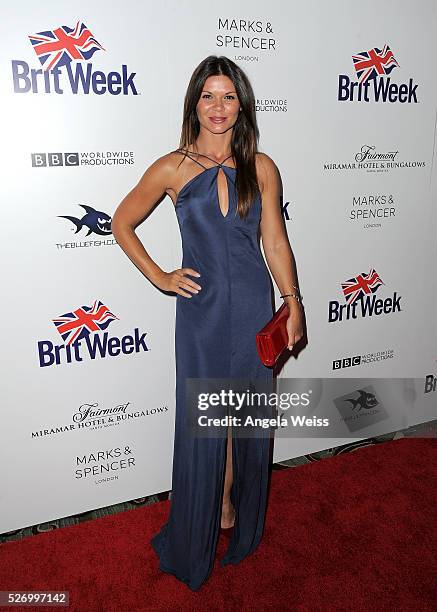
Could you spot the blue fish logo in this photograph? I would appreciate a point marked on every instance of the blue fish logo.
(96, 221)
(365, 400)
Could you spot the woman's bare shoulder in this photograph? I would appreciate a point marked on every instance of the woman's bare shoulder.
(263, 160)
(162, 170)
(164, 173)
(167, 163)
(266, 169)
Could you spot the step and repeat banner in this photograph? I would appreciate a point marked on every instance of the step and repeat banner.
(91, 95)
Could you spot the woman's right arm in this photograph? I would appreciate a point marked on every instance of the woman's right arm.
(132, 210)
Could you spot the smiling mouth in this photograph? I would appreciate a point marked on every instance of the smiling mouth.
(217, 119)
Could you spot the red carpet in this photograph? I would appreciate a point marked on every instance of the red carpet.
(354, 532)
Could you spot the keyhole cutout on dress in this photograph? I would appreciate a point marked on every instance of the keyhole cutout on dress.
(222, 192)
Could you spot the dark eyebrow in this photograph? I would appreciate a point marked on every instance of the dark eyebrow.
(228, 92)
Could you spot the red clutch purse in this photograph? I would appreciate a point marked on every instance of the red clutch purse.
(272, 339)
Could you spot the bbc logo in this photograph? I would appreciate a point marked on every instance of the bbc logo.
(42, 160)
(346, 362)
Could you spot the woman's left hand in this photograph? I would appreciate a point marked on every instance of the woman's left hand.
(294, 323)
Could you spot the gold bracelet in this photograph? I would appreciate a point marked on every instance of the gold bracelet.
(287, 294)
(294, 287)
(295, 295)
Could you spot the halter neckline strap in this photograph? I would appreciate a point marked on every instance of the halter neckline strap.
(219, 164)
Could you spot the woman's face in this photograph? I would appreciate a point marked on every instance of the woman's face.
(218, 107)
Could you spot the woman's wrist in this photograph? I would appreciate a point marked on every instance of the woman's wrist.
(293, 302)
(156, 275)
(292, 296)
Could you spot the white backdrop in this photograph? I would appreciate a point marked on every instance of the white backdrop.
(81, 432)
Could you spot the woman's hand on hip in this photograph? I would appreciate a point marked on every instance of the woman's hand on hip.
(178, 282)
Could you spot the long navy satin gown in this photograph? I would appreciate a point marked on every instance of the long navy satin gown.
(215, 338)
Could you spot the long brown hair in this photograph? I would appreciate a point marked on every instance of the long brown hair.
(245, 134)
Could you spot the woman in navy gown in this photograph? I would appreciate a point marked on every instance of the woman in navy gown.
(224, 192)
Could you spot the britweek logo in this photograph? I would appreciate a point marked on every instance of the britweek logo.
(284, 209)
(430, 383)
(371, 68)
(361, 300)
(64, 53)
(79, 331)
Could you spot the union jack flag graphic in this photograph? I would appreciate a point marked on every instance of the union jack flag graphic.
(80, 323)
(361, 285)
(373, 63)
(59, 47)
